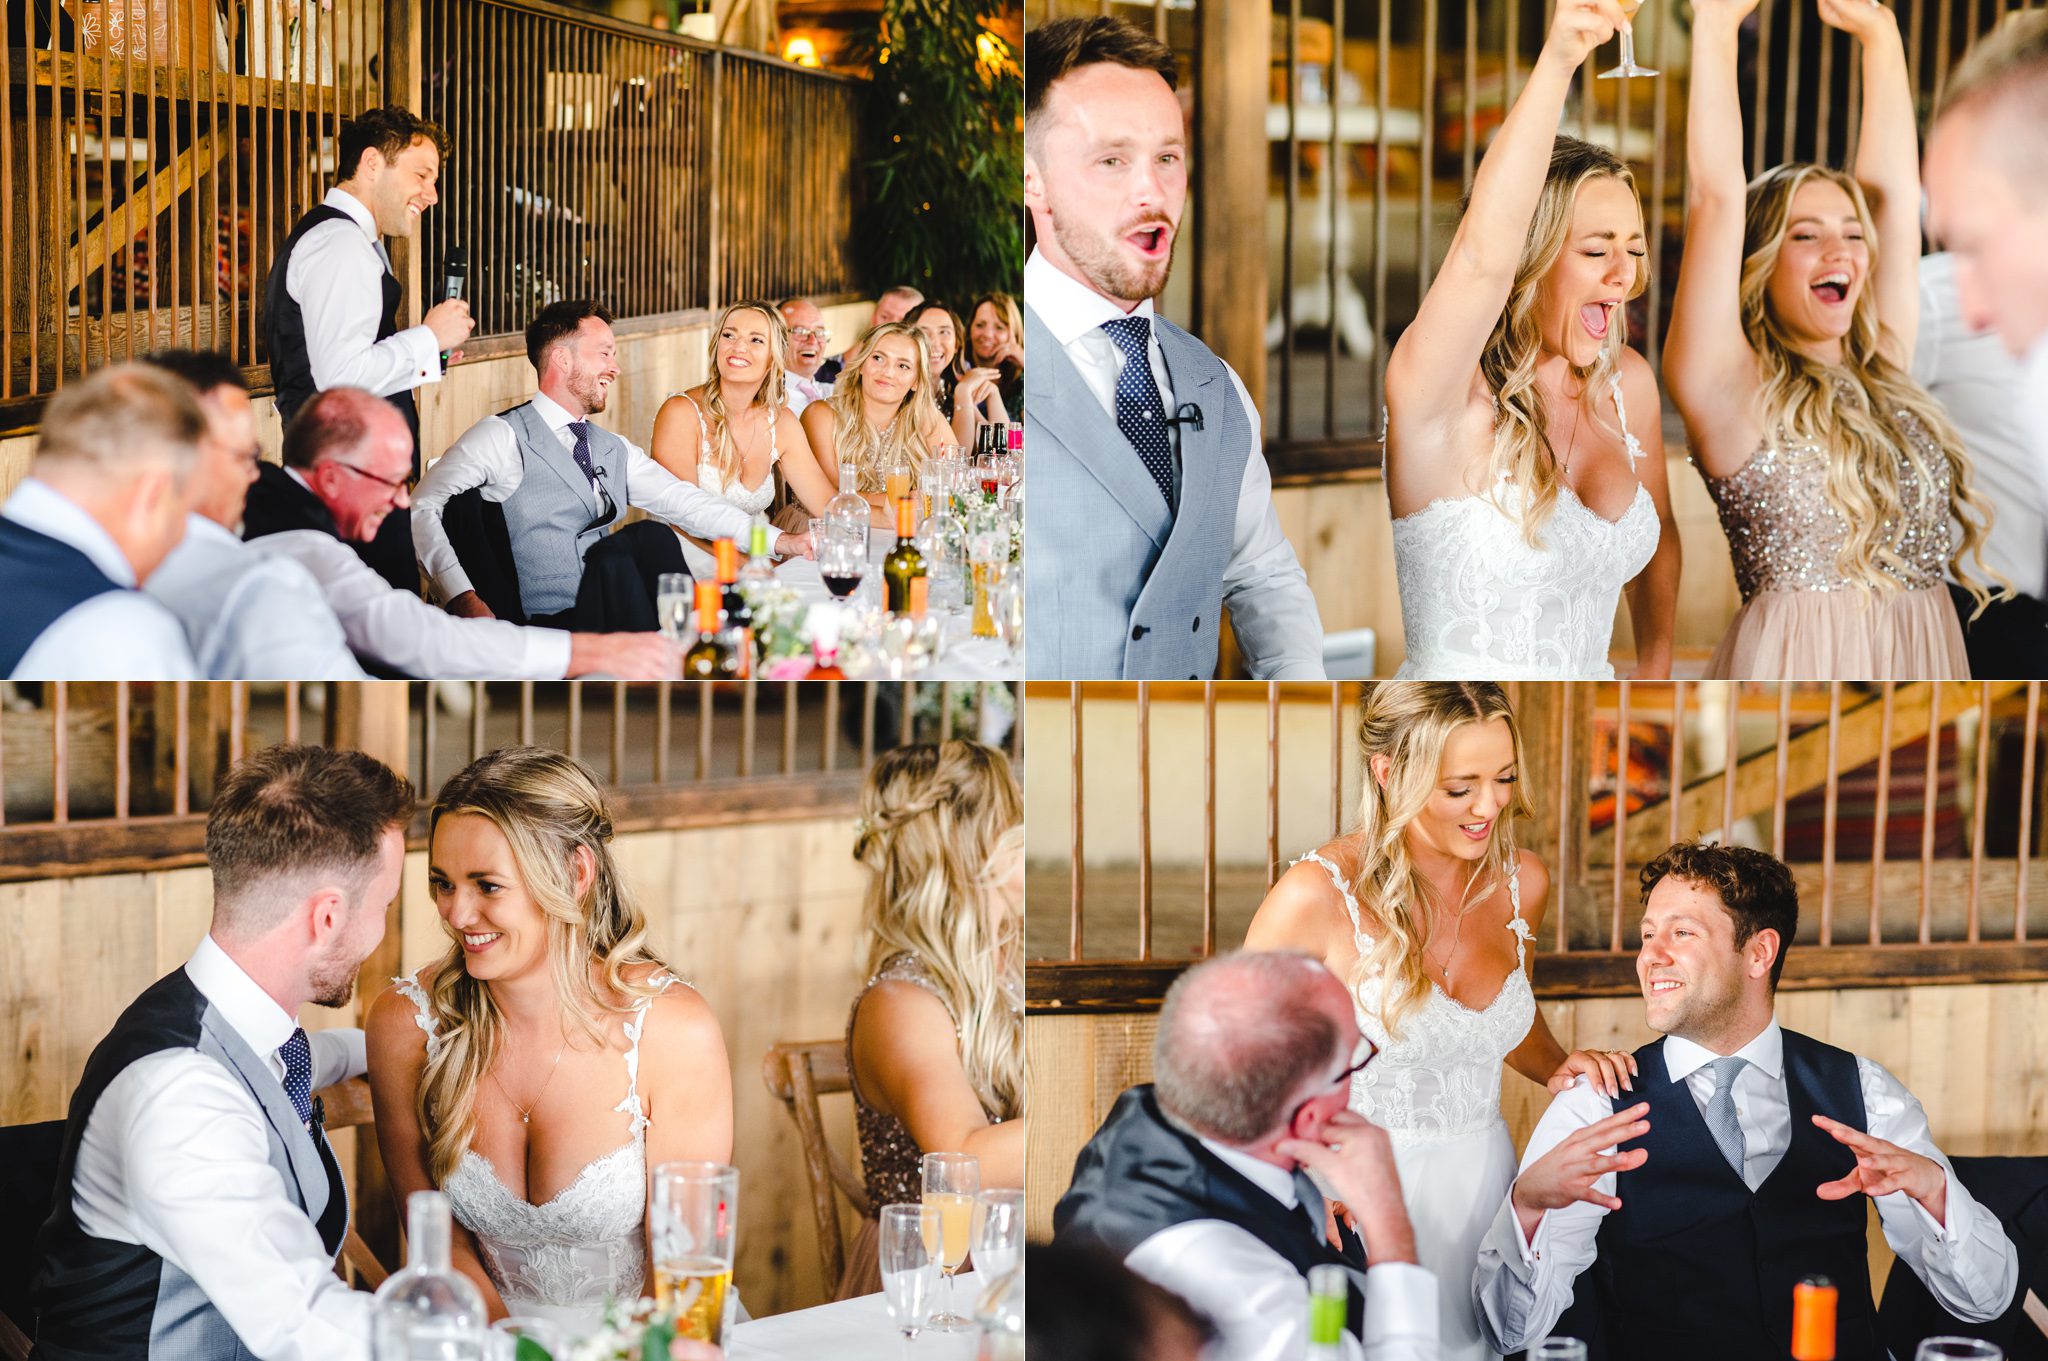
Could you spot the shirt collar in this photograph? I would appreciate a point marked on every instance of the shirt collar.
(253, 1013)
(203, 530)
(1682, 1057)
(1276, 1182)
(41, 507)
(552, 412)
(1069, 308)
(357, 210)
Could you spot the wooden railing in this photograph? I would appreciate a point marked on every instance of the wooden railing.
(108, 776)
(148, 184)
(1910, 814)
(1371, 116)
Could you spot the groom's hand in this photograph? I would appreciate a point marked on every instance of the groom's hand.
(1565, 1175)
(1356, 1160)
(1883, 1168)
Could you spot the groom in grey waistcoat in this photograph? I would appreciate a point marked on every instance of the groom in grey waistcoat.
(1151, 504)
(198, 1206)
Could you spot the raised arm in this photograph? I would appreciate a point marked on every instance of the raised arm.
(1430, 373)
(1708, 364)
(1888, 167)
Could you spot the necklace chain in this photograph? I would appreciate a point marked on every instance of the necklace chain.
(526, 1111)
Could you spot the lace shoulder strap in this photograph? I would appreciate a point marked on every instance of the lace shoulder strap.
(1359, 939)
(636, 1027)
(1516, 923)
(1628, 436)
(774, 419)
(423, 1014)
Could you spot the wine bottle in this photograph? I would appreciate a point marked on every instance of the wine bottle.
(760, 567)
(903, 569)
(1329, 1290)
(709, 658)
(428, 1309)
(739, 615)
(1813, 1320)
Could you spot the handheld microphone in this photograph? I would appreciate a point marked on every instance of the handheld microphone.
(458, 271)
(1187, 413)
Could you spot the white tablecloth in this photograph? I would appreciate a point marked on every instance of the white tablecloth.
(967, 658)
(853, 1330)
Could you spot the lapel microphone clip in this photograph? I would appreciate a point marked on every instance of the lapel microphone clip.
(1187, 413)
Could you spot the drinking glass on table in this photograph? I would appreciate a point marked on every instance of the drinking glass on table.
(692, 1214)
(672, 603)
(1628, 65)
(1559, 1349)
(526, 1339)
(1957, 1349)
(951, 1181)
(842, 562)
(896, 478)
(998, 1232)
(909, 1268)
(988, 557)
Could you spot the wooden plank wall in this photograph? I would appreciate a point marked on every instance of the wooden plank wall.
(764, 920)
(1976, 1056)
(1342, 533)
(652, 367)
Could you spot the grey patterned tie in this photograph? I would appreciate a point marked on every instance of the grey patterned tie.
(1721, 1122)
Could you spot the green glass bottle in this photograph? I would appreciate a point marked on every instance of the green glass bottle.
(903, 569)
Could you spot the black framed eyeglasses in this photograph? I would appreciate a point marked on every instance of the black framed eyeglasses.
(397, 485)
(1362, 1053)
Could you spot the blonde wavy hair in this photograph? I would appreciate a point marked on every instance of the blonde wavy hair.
(867, 448)
(1408, 722)
(1804, 400)
(941, 825)
(547, 805)
(719, 452)
(1522, 452)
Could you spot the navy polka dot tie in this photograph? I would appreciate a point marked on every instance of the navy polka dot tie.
(297, 1054)
(581, 429)
(1138, 412)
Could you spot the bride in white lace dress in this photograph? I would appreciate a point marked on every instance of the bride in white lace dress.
(732, 433)
(1524, 459)
(1427, 911)
(539, 1069)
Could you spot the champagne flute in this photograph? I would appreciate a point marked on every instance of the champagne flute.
(896, 478)
(951, 1181)
(1628, 65)
(672, 603)
(1957, 1349)
(998, 1233)
(692, 1215)
(908, 1267)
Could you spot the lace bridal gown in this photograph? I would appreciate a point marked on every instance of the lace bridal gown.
(1436, 1091)
(561, 1261)
(1478, 603)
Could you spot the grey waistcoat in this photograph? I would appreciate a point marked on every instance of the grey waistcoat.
(554, 517)
(1117, 586)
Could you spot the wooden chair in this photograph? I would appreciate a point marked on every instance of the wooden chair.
(13, 1346)
(797, 1075)
(347, 1106)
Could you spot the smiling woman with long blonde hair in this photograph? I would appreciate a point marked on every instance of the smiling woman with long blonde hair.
(1524, 453)
(881, 411)
(935, 1042)
(539, 1069)
(1836, 475)
(1426, 911)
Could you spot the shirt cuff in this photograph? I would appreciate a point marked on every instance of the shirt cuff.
(1954, 1200)
(426, 355)
(450, 582)
(547, 654)
(1400, 1300)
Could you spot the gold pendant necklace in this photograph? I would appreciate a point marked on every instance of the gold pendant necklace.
(526, 1112)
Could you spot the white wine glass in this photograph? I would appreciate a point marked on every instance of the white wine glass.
(672, 603)
(1957, 1349)
(910, 1269)
(998, 1233)
(951, 1181)
(1628, 65)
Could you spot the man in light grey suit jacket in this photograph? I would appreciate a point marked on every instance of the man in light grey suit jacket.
(1151, 505)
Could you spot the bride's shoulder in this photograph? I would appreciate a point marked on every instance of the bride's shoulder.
(397, 1021)
(1305, 909)
(676, 1008)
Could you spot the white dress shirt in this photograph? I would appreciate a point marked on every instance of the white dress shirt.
(1978, 383)
(335, 276)
(1522, 1286)
(1272, 610)
(1259, 1302)
(176, 1158)
(488, 456)
(249, 616)
(116, 635)
(399, 630)
(799, 392)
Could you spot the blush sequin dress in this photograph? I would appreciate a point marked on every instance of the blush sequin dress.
(1801, 618)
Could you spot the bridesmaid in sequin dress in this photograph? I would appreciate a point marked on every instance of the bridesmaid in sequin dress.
(935, 1042)
(1836, 476)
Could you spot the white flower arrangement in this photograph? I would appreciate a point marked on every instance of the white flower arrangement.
(637, 1331)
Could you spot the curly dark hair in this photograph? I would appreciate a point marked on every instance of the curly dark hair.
(1756, 889)
(388, 131)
